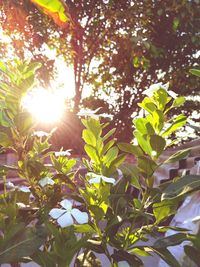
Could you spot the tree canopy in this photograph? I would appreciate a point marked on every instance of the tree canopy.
(117, 47)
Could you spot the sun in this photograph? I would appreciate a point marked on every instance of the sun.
(45, 106)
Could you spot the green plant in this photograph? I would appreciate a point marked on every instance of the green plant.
(57, 220)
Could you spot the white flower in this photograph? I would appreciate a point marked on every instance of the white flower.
(63, 153)
(40, 134)
(65, 217)
(46, 181)
(24, 189)
(123, 264)
(155, 87)
(96, 179)
(10, 185)
(92, 113)
(89, 113)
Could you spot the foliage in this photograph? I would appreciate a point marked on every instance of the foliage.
(58, 218)
(130, 43)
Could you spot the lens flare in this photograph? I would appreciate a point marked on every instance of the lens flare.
(45, 106)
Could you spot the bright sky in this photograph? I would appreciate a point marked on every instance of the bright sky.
(65, 75)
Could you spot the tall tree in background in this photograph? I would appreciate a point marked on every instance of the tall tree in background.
(117, 47)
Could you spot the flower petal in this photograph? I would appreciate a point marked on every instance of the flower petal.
(63, 153)
(66, 204)
(24, 189)
(65, 220)
(108, 180)
(172, 94)
(95, 180)
(123, 264)
(56, 213)
(46, 181)
(79, 216)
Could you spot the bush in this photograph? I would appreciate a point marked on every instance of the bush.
(60, 218)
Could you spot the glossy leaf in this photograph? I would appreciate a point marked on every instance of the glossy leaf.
(147, 105)
(164, 209)
(24, 244)
(89, 137)
(192, 253)
(109, 134)
(142, 141)
(178, 101)
(178, 122)
(91, 151)
(56, 9)
(182, 186)
(110, 156)
(157, 145)
(131, 149)
(171, 240)
(195, 72)
(178, 156)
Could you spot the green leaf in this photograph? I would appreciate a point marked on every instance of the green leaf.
(44, 258)
(107, 146)
(176, 23)
(161, 98)
(133, 260)
(118, 161)
(52, 7)
(24, 122)
(5, 141)
(84, 228)
(110, 156)
(195, 72)
(147, 166)
(91, 151)
(192, 253)
(4, 119)
(177, 156)
(129, 148)
(166, 256)
(164, 209)
(132, 173)
(24, 244)
(89, 137)
(109, 134)
(97, 212)
(171, 240)
(158, 120)
(94, 126)
(148, 105)
(142, 141)
(178, 122)
(182, 186)
(144, 126)
(141, 252)
(157, 145)
(178, 101)
(3, 67)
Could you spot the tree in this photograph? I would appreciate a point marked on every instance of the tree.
(121, 47)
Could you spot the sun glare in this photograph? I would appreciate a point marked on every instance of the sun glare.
(45, 106)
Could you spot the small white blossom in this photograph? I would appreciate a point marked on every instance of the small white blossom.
(63, 153)
(96, 179)
(155, 87)
(92, 113)
(24, 189)
(10, 185)
(66, 216)
(46, 181)
(40, 134)
(123, 264)
(88, 113)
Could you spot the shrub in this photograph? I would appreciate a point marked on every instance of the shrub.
(60, 217)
